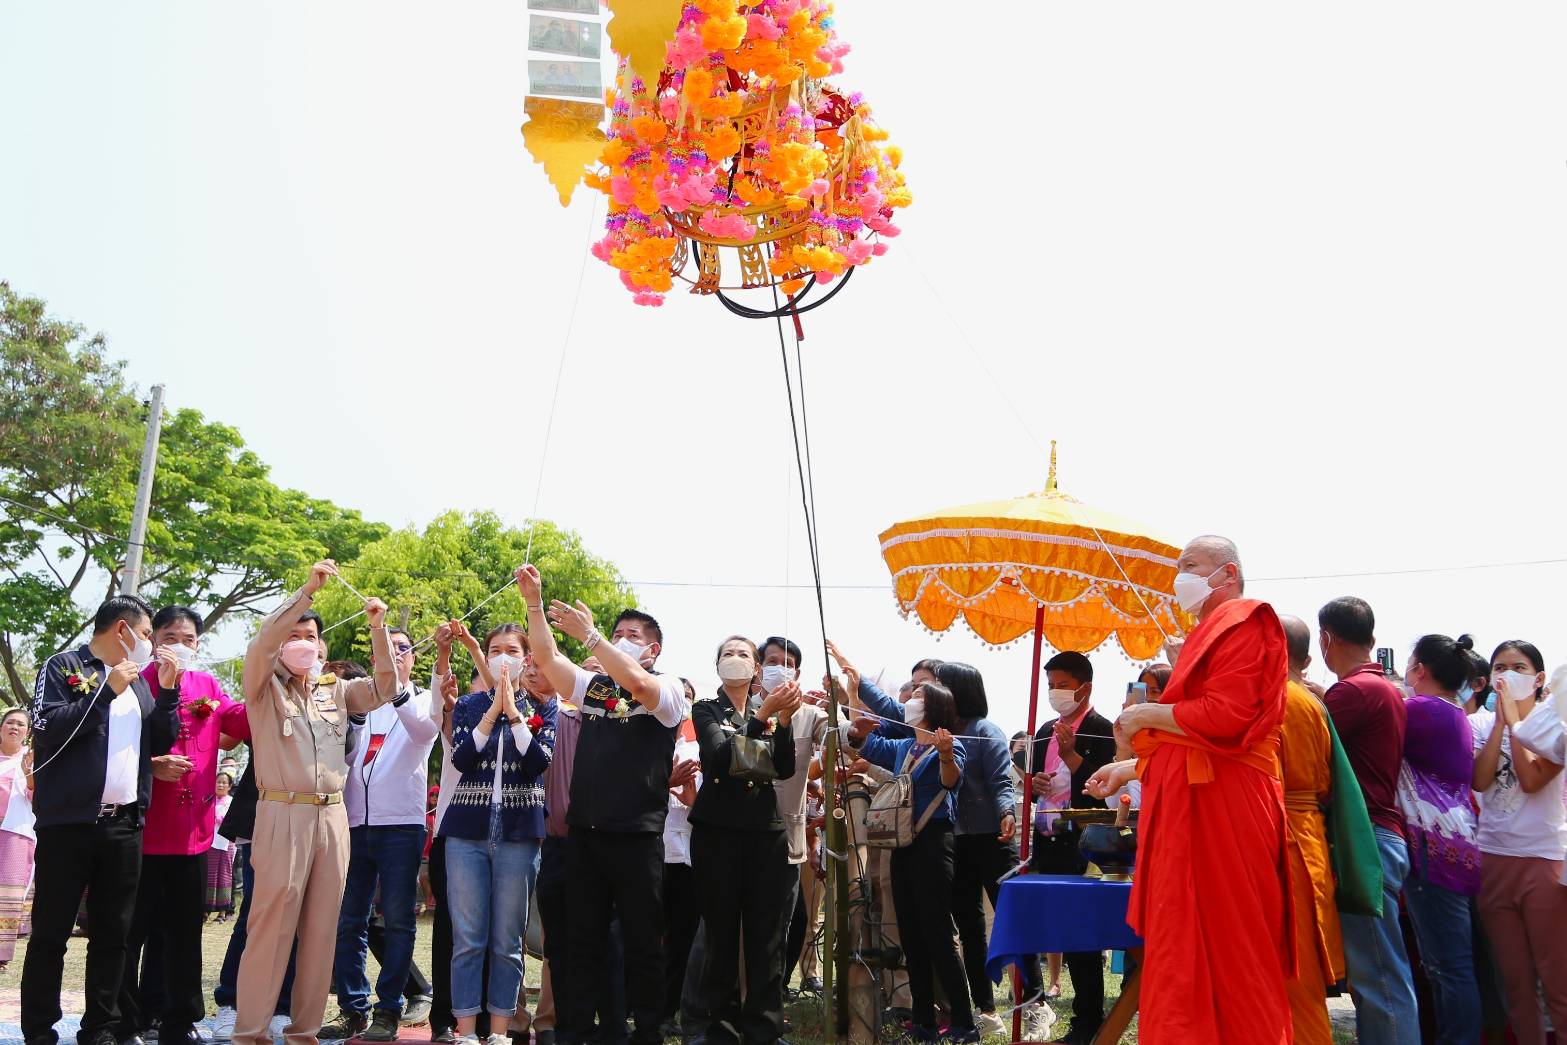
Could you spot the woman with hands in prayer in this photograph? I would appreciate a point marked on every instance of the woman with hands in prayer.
(501, 745)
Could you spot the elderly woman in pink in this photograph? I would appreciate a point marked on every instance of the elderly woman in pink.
(16, 826)
(180, 824)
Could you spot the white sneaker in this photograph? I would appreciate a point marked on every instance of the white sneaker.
(278, 1025)
(1039, 1019)
(499, 1039)
(223, 1024)
(988, 1024)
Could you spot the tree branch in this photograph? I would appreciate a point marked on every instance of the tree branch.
(18, 692)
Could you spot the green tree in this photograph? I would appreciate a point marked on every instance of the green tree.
(221, 534)
(452, 566)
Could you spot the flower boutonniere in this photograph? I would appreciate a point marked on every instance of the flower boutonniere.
(535, 723)
(81, 683)
(202, 708)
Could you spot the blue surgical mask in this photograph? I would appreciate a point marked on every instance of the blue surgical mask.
(1464, 693)
(1490, 702)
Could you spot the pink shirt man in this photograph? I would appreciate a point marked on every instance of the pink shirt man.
(181, 817)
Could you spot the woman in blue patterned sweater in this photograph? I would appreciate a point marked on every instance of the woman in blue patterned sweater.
(502, 741)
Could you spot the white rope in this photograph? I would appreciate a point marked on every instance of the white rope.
(864, 712)
(549, 428)
(560, 368)
(1124, 577)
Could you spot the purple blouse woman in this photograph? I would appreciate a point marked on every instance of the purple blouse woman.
(1444, 861)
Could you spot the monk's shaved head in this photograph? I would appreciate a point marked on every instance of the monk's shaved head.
(1205, 554)
(1297, 640)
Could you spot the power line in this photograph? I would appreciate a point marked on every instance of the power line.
(775, 586)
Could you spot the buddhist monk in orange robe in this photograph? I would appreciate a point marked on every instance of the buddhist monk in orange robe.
(1211, 892)
(1306, 750)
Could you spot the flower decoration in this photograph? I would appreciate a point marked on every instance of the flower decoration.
(611, 703)
(741, 144)
(81, 683)
(201, 708)
(535, 723)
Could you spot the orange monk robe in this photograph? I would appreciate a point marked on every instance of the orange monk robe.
(1306, 752)
(1211, 892)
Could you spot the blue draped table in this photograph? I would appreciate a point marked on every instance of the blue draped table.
(1053, 913)
(1049, 913)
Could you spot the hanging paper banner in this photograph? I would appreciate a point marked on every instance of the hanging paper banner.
(565, 105)
(565, 36)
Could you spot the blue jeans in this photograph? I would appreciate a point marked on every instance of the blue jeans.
(1441, 920)
(225, 994)
(487, 888)
(1378, 965)
(389, 854)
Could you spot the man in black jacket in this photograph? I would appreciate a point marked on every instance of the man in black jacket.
(96, 727)
(1067, 751)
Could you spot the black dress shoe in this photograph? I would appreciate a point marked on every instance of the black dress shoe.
(181, 1036)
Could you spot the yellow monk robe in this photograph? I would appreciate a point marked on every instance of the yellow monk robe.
(1306, 752)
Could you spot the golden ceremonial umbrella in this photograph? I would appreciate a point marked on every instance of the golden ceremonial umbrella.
(1043, 563)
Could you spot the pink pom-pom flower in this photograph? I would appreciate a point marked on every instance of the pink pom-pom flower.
(687, 48)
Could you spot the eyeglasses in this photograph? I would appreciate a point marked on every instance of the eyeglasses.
(403, 647)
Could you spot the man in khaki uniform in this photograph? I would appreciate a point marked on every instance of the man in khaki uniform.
(298, 724)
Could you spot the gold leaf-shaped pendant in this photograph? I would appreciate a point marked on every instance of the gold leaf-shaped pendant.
(641, 31)
(564, 138)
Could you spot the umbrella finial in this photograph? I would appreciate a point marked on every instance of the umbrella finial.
(1050, 483)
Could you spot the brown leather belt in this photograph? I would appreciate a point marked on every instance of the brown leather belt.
(303, 798)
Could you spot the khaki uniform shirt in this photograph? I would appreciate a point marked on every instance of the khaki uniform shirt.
(298, 733)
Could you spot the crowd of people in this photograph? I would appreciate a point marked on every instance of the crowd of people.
(1401, 833)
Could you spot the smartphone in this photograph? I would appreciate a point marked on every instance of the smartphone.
(1137, 692)
(1385, 658)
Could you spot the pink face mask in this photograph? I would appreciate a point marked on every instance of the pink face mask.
(299, 656)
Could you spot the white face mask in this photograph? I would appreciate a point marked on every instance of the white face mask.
(630, 649)
(775, 675)
(1063, 701)
(914, 711)
(735, 669)
(139, 654)
(1192, 589)
(1517, 684)
(506, 664)
(186, 655)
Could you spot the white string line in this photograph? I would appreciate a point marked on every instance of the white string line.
(560, 369)
(549, 428)
(904, 253)
(1122, 572)
(864, 712)
(355, 616)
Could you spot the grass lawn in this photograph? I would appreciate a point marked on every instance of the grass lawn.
(806, 1013)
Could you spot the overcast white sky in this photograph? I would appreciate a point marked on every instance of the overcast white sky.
(1293, 274)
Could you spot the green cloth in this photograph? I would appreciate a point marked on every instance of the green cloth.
(1357, 860)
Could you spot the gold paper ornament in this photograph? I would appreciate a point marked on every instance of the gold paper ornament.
(564, 138)
(641, 30)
